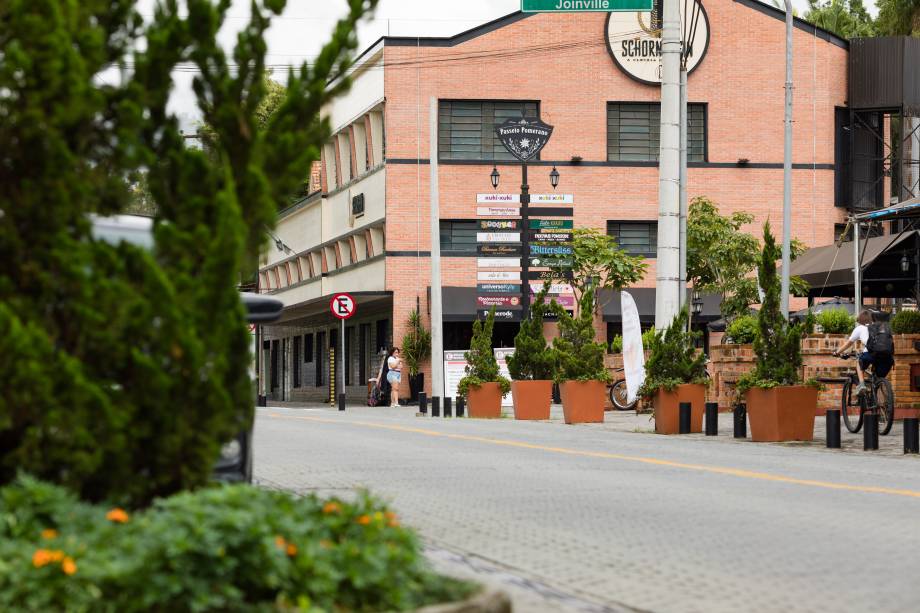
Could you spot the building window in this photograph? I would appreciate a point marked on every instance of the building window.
(320, 344)
(467, 128)
(364, 344)
(346, 363)
(633, 132)
(307, 348)
(635, 237)
(458, 236)
(383, 335)
(295, 362)
(865, 231)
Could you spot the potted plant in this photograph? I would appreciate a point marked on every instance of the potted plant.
(780, 406)
(416, 348)
(675, 373)
(531, 366)
(483, 386)
(580, 368)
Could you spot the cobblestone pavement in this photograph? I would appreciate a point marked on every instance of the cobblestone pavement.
(610, 517)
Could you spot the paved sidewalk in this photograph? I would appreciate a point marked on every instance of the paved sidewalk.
(629, 421)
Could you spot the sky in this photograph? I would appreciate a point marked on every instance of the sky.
(298, 34)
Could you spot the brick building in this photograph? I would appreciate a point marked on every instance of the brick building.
(364, 229)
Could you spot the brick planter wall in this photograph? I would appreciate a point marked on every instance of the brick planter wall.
(729, 362)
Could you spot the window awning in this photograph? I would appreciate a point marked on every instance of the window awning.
(645, 303)
(909, 209)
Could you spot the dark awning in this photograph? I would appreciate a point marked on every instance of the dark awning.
(645, 303)
(832, 266)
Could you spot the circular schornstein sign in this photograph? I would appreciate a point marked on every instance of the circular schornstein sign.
(524, 138)
(634, 40)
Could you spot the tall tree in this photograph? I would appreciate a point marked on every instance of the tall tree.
(123, 370)
(898, 17)
(845, 18)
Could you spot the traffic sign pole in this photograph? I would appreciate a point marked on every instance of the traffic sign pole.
(343, 307)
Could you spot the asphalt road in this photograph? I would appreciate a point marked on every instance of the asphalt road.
(582, 518)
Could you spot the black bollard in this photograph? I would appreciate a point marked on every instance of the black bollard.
(832, 421)
(712, 419)
(557, 396)
(436, 407)
(447, 406)
(911, 435)
(460, 406)
(870, 431)
(341, 402)
(423, 403)
(684, 418)
(741, 420)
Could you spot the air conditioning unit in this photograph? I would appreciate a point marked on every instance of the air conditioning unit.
(357, 205)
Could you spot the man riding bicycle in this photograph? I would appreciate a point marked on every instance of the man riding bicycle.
(877, 347)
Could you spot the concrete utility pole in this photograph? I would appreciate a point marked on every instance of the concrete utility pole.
(683, 181)
(437, 321)
(787, 169)
(667, 297)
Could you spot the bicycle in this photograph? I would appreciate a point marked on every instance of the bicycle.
(878, 398)
(618, 394)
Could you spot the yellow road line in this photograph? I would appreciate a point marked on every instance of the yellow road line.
(733, 472)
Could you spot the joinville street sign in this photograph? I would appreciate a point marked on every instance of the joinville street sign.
(584, 6)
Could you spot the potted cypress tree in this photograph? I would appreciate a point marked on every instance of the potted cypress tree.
(780, 406)
(416, 348)
(580, 368)
(675, 373)
(531, 366)
(483, 386)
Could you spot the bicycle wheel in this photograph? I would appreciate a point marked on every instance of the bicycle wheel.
(884, 396)
(851, 408)
(618, 396)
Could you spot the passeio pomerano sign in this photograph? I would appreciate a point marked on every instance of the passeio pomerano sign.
(634, 40)
(524, 138)
(584, 6)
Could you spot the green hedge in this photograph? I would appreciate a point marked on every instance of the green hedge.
(906, 322)
(236, 548)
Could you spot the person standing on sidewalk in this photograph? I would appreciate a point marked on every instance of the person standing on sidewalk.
(394, 375)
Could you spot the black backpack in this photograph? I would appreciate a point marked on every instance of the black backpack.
(881, 342)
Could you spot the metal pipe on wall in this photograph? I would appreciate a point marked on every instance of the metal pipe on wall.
(787, 169)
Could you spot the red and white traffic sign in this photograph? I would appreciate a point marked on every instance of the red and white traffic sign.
(343, 306)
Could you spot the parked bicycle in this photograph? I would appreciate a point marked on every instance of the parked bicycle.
(878, 397)
(618, 395)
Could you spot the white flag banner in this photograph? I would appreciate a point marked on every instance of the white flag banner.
(633, 352)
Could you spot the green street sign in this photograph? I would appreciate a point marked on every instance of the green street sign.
(550, 224)
(584, 6)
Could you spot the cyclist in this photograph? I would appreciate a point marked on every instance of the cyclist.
(877, 347)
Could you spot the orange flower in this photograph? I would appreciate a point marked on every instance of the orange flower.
(43, 557)
(68, 566)
(390, 515)
(291, 550)
(393, 523)
(364, 520)
(280, 543)
(49, 534)
(331, 507)
(119, 516)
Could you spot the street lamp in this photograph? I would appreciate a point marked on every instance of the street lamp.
(495, 177)
(905, 263)
(697, 302)
(554, 178)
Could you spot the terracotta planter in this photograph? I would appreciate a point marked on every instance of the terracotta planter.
(531, 399)
(485, 401)
(583, 401)
(784, 413)
(667, 408)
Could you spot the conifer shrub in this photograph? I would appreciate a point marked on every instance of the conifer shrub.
(579, 357)
(481, 365)
(533, 359)
(906, 322)
(777, 346)
(673, 358)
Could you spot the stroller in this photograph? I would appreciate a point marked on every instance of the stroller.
(380, 393)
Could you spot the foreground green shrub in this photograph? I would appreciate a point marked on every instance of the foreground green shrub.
(673, 358)
(532, 359)
(836, 321)
(742, 330)
(579, 356)
(906, 322)
(227, 548)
